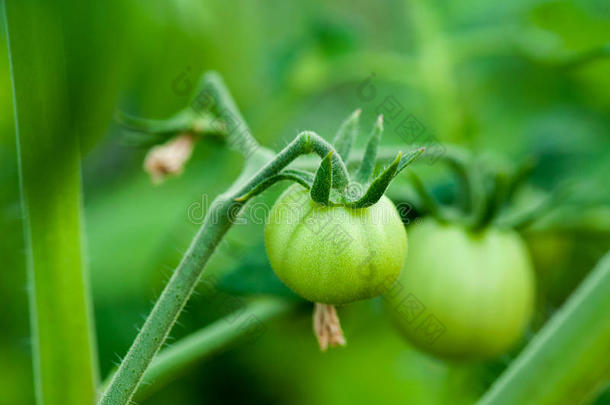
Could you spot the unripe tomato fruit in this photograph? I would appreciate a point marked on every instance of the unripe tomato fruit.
(334, 255)
(463, 294)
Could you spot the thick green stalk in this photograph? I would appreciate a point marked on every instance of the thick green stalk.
(219, 218)
(65, 367)
(567, 361)
(248, 323)
(238, 134)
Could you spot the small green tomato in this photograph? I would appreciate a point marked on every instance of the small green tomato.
(463, 294)
(333, 254)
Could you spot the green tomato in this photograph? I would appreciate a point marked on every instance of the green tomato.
(463, 294)
(334, 255)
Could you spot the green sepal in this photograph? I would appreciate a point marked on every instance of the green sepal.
(427, 202)
(365, 171)
(322, 183)
(492, 202)
(378, 186)
(408, 159)
(346, 134)
(298, 176)
(460, 163)
(381, 182)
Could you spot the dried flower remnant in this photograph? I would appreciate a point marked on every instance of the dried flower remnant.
(326, 326)
(169, 158)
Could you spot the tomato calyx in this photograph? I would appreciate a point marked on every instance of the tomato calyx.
(484, 196)
(332, 185)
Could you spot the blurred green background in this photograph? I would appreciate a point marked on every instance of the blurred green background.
(516, 79)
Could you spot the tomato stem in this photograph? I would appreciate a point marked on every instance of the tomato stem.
(219, 218)
(262, 169)
(208, 341)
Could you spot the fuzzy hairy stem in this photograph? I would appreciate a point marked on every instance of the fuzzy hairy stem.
(219, 218)
(169, 305)
(238, 133)
(214, 338)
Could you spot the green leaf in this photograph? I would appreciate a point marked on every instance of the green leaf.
(322, 183)
(346, 134)
(63, 350)
(370, 155)
(566, 362)
(299, 176)
(253, 276)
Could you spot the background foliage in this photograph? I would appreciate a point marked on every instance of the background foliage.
(513, 80)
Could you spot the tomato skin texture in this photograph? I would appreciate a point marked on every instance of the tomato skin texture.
(473, 293)
(334, 255)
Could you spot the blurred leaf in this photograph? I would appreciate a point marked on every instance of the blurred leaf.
(65, 359)
(566, 361)
(253, 275)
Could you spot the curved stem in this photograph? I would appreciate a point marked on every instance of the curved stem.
(427, 201)
(171, 302)
(219, 218)
(237, 131)
(247, 323)
(492, 203)
(458, 161)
